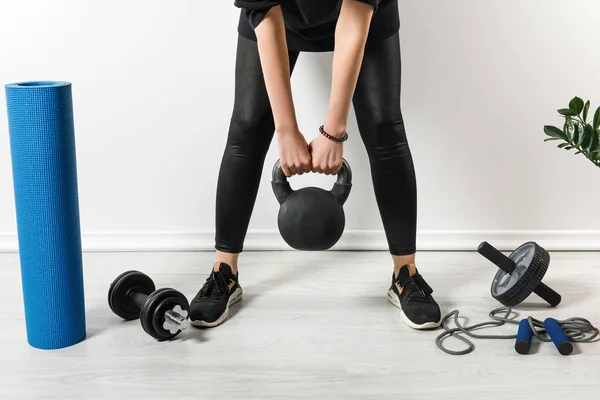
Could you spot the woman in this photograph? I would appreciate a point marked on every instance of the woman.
(363, 35)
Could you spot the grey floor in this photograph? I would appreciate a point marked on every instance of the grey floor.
(311, 326)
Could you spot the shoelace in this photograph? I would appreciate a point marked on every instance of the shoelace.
(216, 281)
(418, 289)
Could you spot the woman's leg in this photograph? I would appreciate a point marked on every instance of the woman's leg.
(377, 106)
(250, 134)
(379, 117)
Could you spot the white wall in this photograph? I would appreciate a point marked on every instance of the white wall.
(153, 96)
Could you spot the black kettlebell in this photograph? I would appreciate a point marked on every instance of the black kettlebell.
(311, 218)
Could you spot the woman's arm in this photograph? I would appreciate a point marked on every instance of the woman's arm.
(272, 47)
(350, 37)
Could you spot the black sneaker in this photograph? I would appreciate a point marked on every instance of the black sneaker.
(210, 307)
(412, 295)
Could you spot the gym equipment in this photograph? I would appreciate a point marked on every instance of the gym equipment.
(163, 313)
(524, 337)
(520, 274)
(562, 333)
(42, 143)
(558, 336)
(311, 218)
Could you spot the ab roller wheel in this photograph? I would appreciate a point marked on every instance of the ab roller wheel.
(520, 274)
(162, 313)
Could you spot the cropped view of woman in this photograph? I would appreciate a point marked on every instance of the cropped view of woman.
(364, 38)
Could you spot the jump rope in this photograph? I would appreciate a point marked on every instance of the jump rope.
(561, 332)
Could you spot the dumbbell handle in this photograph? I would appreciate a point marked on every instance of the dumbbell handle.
(495, 256)
(547, 294)
(138, 298)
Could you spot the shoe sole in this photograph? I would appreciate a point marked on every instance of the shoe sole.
(393, 298)
(234, 298)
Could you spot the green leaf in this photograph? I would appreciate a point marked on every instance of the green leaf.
(586, 136)
(562, 145)
(597, 119)
(554, 132)
(586, 110)
(567, 112)
(572, 126)
(595, 142)
(552, 138)
(576, 135)
(569, 148)
(579, 152)
(568, 128)
(576, 105)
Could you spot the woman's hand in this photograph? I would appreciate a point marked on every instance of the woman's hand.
(326, 155)
(294, 156)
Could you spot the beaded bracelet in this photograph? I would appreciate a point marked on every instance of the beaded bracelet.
(335, 139)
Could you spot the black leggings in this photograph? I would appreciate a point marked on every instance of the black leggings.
(377, 107)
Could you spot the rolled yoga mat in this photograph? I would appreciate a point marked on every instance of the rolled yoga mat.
(42, 142)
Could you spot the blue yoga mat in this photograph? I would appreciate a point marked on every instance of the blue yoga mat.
(42, 142)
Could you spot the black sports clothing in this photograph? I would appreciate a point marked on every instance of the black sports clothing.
(310, 24)
(210, 306)
(377, 107)
(412, 295)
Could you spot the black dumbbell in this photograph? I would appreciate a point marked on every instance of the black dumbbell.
(520, 274)
(162, 313)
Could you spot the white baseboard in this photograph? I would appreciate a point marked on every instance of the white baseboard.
(460, 240)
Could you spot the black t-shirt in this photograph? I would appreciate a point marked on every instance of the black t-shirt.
(310, 24)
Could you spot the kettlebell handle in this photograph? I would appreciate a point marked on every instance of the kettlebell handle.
(341, 188)
(344, 176)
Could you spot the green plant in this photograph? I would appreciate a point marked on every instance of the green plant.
(577, 134)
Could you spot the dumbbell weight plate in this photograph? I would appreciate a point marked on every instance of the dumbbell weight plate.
(152, 314)
(531, 262)
(118, 293)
